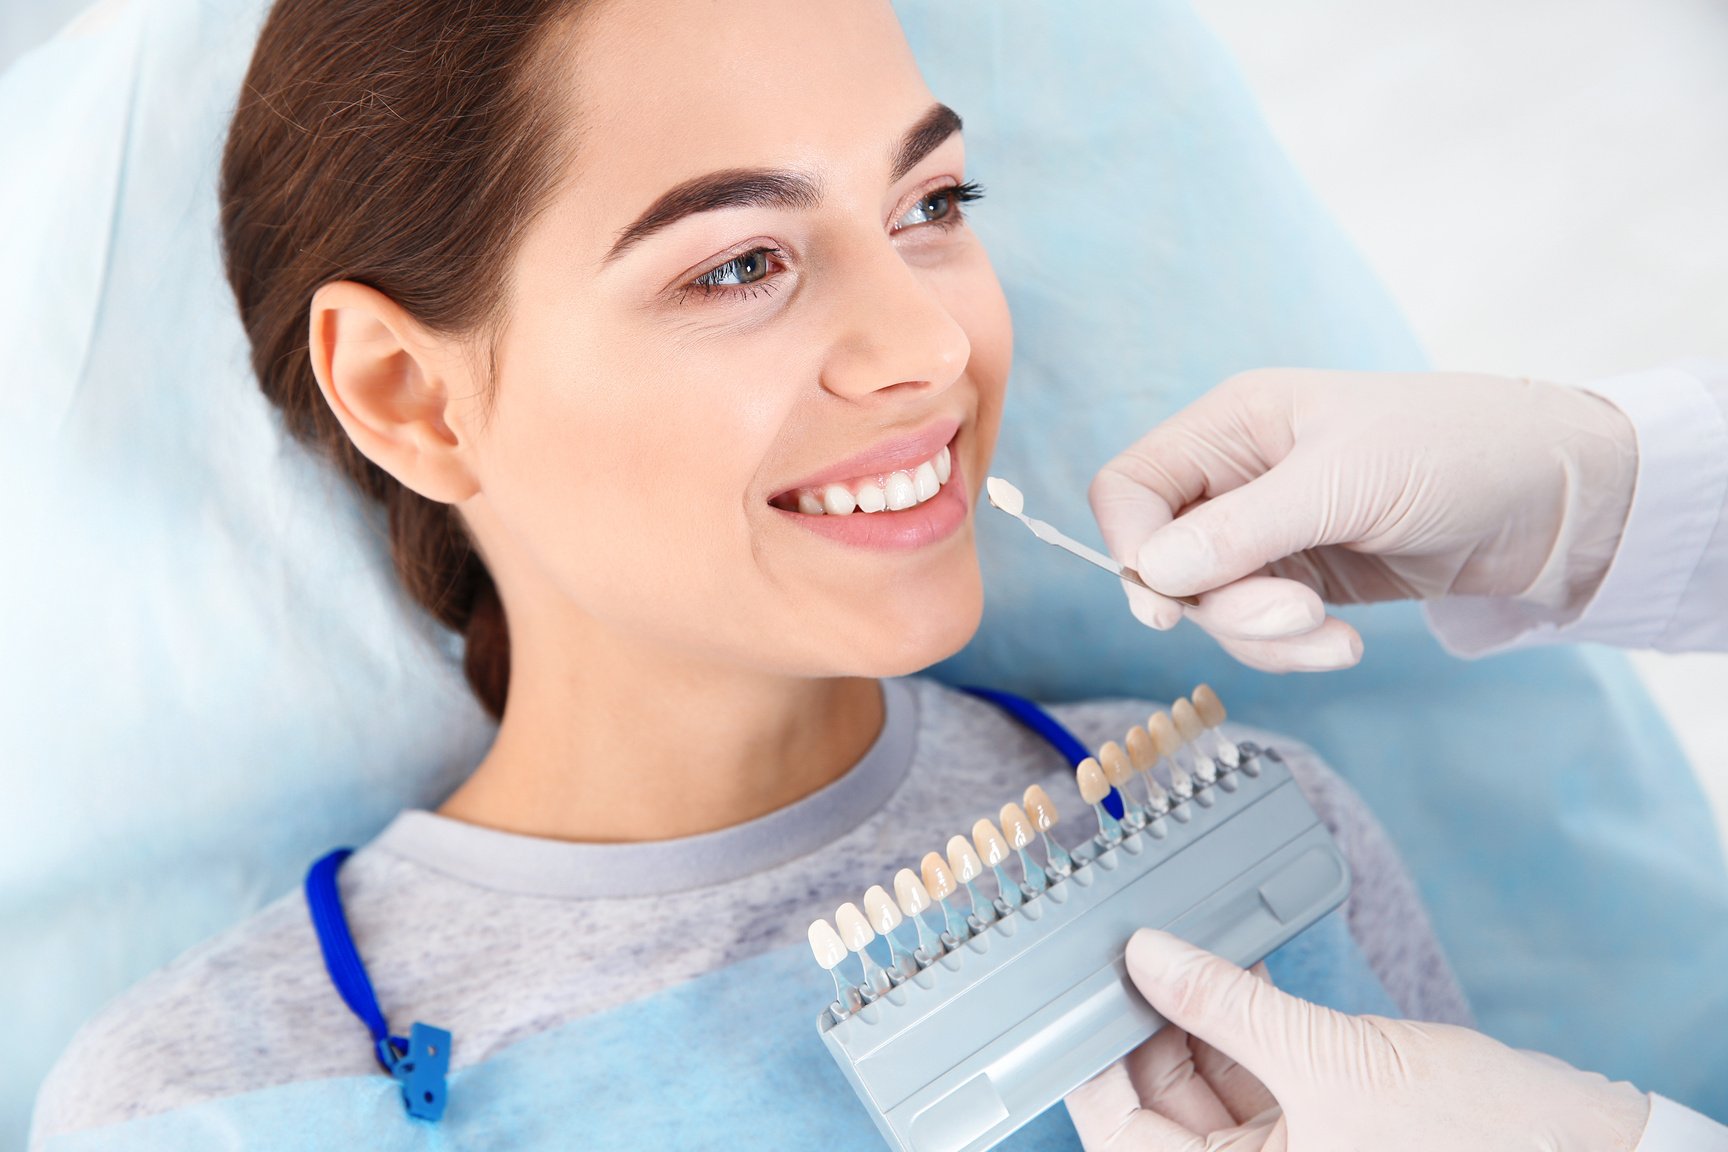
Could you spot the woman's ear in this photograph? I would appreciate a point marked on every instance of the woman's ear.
(396, 388)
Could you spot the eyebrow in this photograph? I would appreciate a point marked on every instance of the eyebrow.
(774, 187)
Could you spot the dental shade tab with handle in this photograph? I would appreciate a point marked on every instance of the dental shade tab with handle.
(1011, 500)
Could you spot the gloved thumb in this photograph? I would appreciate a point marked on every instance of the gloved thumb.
(1237, 533)
(1265, 1030)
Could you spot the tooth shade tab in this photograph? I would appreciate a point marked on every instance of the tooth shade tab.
(910, 891)
(1210, 708)
(963, 860)
(854, 929)
(884, 915)
(1005, 496)
(1015, 826)
(1094, 785)
(1163, 732)
(991, 847)
(1043, 812)
(938, 879)
(1188, 724)
(826, 944)
(1142, 753)
(1114, 761)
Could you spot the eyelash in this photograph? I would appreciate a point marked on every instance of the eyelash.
(960, 194)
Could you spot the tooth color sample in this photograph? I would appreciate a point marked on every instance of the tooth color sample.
(1163, 732)
(1015, 826)
(1094, 785)
(938, 880)
(989, 841)
(963, 860)
(1042, 810)
(826, 944)
(882, 912)
(910, 891)
(1187, 720)
(1142, 752)
(1210, 708)
(1005, 496)
(1114, 761)
(854, 929)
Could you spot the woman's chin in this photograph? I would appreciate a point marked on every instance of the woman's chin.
(918, 633)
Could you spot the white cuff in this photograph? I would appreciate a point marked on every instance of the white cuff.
(1676, 1128)
(1678, 498)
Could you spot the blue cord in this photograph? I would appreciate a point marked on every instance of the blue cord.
(1046, 726)
(421, 1060)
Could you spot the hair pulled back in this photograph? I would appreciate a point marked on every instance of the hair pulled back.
(403, 144)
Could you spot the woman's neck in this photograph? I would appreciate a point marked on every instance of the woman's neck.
(605, 739)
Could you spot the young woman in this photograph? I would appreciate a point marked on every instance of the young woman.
(659, 332)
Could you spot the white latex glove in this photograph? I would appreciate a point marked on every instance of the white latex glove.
(1282, 487)
(1344, 1083)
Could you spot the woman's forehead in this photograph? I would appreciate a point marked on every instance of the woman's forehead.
(670, 90)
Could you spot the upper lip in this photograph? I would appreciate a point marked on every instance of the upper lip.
(896, 453)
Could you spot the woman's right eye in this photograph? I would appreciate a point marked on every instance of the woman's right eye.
(742, 271)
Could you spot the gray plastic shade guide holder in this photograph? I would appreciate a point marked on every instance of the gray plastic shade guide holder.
(970, 1049)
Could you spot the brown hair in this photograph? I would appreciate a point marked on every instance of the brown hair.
(403, 144)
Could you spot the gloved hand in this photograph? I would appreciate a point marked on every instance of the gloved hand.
(1257, 1069)
(1282, 487)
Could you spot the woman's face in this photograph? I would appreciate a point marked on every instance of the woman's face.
(753, 293)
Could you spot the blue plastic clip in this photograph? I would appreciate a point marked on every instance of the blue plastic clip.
(422, 1071)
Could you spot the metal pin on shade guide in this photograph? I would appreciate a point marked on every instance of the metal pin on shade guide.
(1011, 500)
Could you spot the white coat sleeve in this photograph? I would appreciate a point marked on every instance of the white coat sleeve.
(1667, 586)
(1676, 1128)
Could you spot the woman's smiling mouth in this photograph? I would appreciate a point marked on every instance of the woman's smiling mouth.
(906, 493)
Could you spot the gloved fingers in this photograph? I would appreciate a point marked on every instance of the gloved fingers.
(1129, 502)
(1260, 608)
(1239, 532)
(1333, 645)
(1259, 1026)
(1108, 1117)
(1164, 1077)
(1237, 1089)
(1151, 609)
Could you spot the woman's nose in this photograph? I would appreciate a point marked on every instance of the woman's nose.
(891, 328)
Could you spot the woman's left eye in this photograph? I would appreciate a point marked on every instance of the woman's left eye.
(942, 207)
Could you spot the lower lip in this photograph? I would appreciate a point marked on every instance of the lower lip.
(916, 527)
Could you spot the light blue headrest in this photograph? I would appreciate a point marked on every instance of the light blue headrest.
(211, 675)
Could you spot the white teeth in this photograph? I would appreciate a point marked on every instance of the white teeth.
(924, 482)
(837, 500)
(901, 493)
(902, 489)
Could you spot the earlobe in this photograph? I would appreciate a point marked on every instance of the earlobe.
(391, 385)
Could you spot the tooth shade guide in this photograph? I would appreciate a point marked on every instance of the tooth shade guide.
(1115, 763)
(1022, 1005)
(1163, 732)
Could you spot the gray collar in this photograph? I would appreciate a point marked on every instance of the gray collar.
(532, 866)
